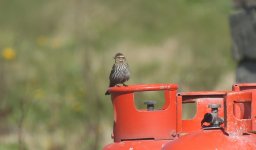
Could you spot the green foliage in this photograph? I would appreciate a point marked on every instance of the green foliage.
(9, 146)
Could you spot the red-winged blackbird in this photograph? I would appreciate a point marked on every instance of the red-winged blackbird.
(120, 72)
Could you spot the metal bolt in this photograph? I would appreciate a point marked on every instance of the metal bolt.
(150, 105)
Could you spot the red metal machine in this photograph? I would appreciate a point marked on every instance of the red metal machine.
(142, 129)
(244, 108)
(244, 86)
(223, 119)
(202, 100)
(237, 133)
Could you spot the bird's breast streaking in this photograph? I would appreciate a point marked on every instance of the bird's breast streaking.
(120, 71)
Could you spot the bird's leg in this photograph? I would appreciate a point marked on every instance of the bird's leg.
(124, 84)
(118, 85)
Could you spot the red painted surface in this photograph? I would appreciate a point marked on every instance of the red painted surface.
(202, 100)
(242, 109)
(232, 123)
(131, 123)
(137, 145)
(212, 140)
(237, 133)
(244, 86)
(159, 129)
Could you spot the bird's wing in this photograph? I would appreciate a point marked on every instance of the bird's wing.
(111, 80)
(128, 72)
(112, 72)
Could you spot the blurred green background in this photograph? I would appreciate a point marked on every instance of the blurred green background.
(56, 57)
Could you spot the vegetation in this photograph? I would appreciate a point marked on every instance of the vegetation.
(56, 57)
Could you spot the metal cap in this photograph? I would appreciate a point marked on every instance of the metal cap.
(150, 105)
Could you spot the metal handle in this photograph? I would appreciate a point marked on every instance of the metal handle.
(143, 87)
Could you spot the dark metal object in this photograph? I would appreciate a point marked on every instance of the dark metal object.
(243, 30)
(150, 105)
(212, 118)
(246, 72)
(244, 4)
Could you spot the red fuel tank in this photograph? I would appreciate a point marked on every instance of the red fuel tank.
(137, 145)
(202, 100)
(237, 134)
(133, 126)
(213, 140)
(244, 86)
(231, 116)
(243, 109)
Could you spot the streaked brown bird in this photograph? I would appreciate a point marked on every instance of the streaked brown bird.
(120, 72)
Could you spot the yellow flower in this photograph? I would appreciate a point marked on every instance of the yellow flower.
(8, 54)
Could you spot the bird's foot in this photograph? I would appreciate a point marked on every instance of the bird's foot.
(125, 84)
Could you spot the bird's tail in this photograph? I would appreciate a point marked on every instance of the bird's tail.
(110, 85)
(107, 93)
